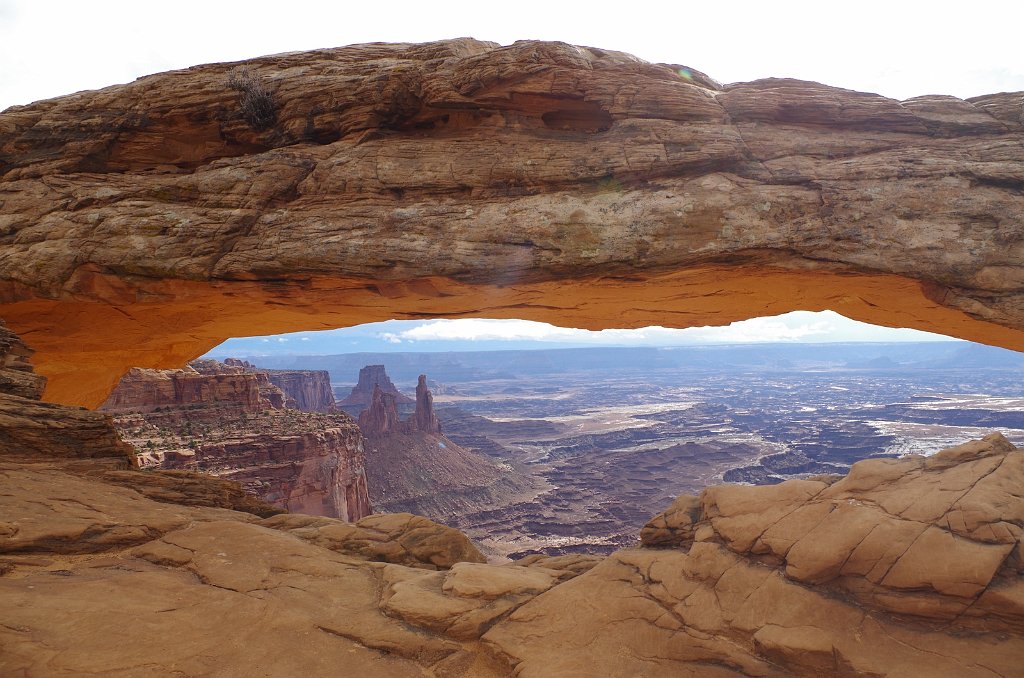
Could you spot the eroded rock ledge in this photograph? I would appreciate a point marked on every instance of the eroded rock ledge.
(144, 223)
(906, 567)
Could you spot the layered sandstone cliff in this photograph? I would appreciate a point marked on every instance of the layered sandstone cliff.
(305, 390)
(144, 223)
(147, 222)
(371, 379)
(229, 420)
(906, 568)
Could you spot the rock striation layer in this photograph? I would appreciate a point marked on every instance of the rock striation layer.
(145, 223)
(749, 581)
(411, 466)
(229, 420)
(304, 390)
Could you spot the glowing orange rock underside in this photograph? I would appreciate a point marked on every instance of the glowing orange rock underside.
(84, 347)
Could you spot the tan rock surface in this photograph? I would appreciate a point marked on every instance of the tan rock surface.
(214, 592)
(145, 223)
(400, 538)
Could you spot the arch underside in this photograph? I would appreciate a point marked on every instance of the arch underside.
(84, 347)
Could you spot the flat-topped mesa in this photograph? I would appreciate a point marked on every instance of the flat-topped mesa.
(145, 223)
(305, 390)
(229, 420)
(371, 378)
(146, 390)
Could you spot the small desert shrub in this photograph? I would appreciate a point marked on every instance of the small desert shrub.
(255, 100)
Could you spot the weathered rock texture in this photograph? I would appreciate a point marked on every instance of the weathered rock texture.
(305, 390)
(932, 537)
(230, 421)
(411, 466)
(17, 377)
(770, 582)
(144, 223)
(371, 379)
(425, 417)
(146, 390)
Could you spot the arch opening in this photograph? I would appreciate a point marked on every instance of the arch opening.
(85, 341)
(549, 440)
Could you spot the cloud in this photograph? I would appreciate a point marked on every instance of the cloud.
(795, 326)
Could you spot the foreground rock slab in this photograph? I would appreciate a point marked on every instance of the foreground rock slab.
(745, 582)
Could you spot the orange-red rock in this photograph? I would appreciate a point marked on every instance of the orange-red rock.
(145, 223)
(229, 420)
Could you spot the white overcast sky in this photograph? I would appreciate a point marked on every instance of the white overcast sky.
(899, 48)
(893, 47)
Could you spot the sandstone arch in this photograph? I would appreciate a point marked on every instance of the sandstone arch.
(142, 224)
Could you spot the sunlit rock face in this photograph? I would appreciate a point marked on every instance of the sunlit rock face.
(145, 223)
(229, 420)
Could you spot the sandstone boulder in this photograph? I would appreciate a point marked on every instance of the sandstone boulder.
(211, 591)
(399, 538)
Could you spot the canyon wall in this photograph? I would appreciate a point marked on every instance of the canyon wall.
(320, 472)
(145, 390)
(145, 223)
(306, 390)
(229, 420)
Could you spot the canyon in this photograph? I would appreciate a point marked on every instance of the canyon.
(144, 223)
(904, 567)
(608, 437)
(231, 420)
(411, 466)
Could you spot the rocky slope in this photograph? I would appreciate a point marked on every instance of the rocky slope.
(411, 466)
(145, 223)
(904, 568)
(230, 421)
